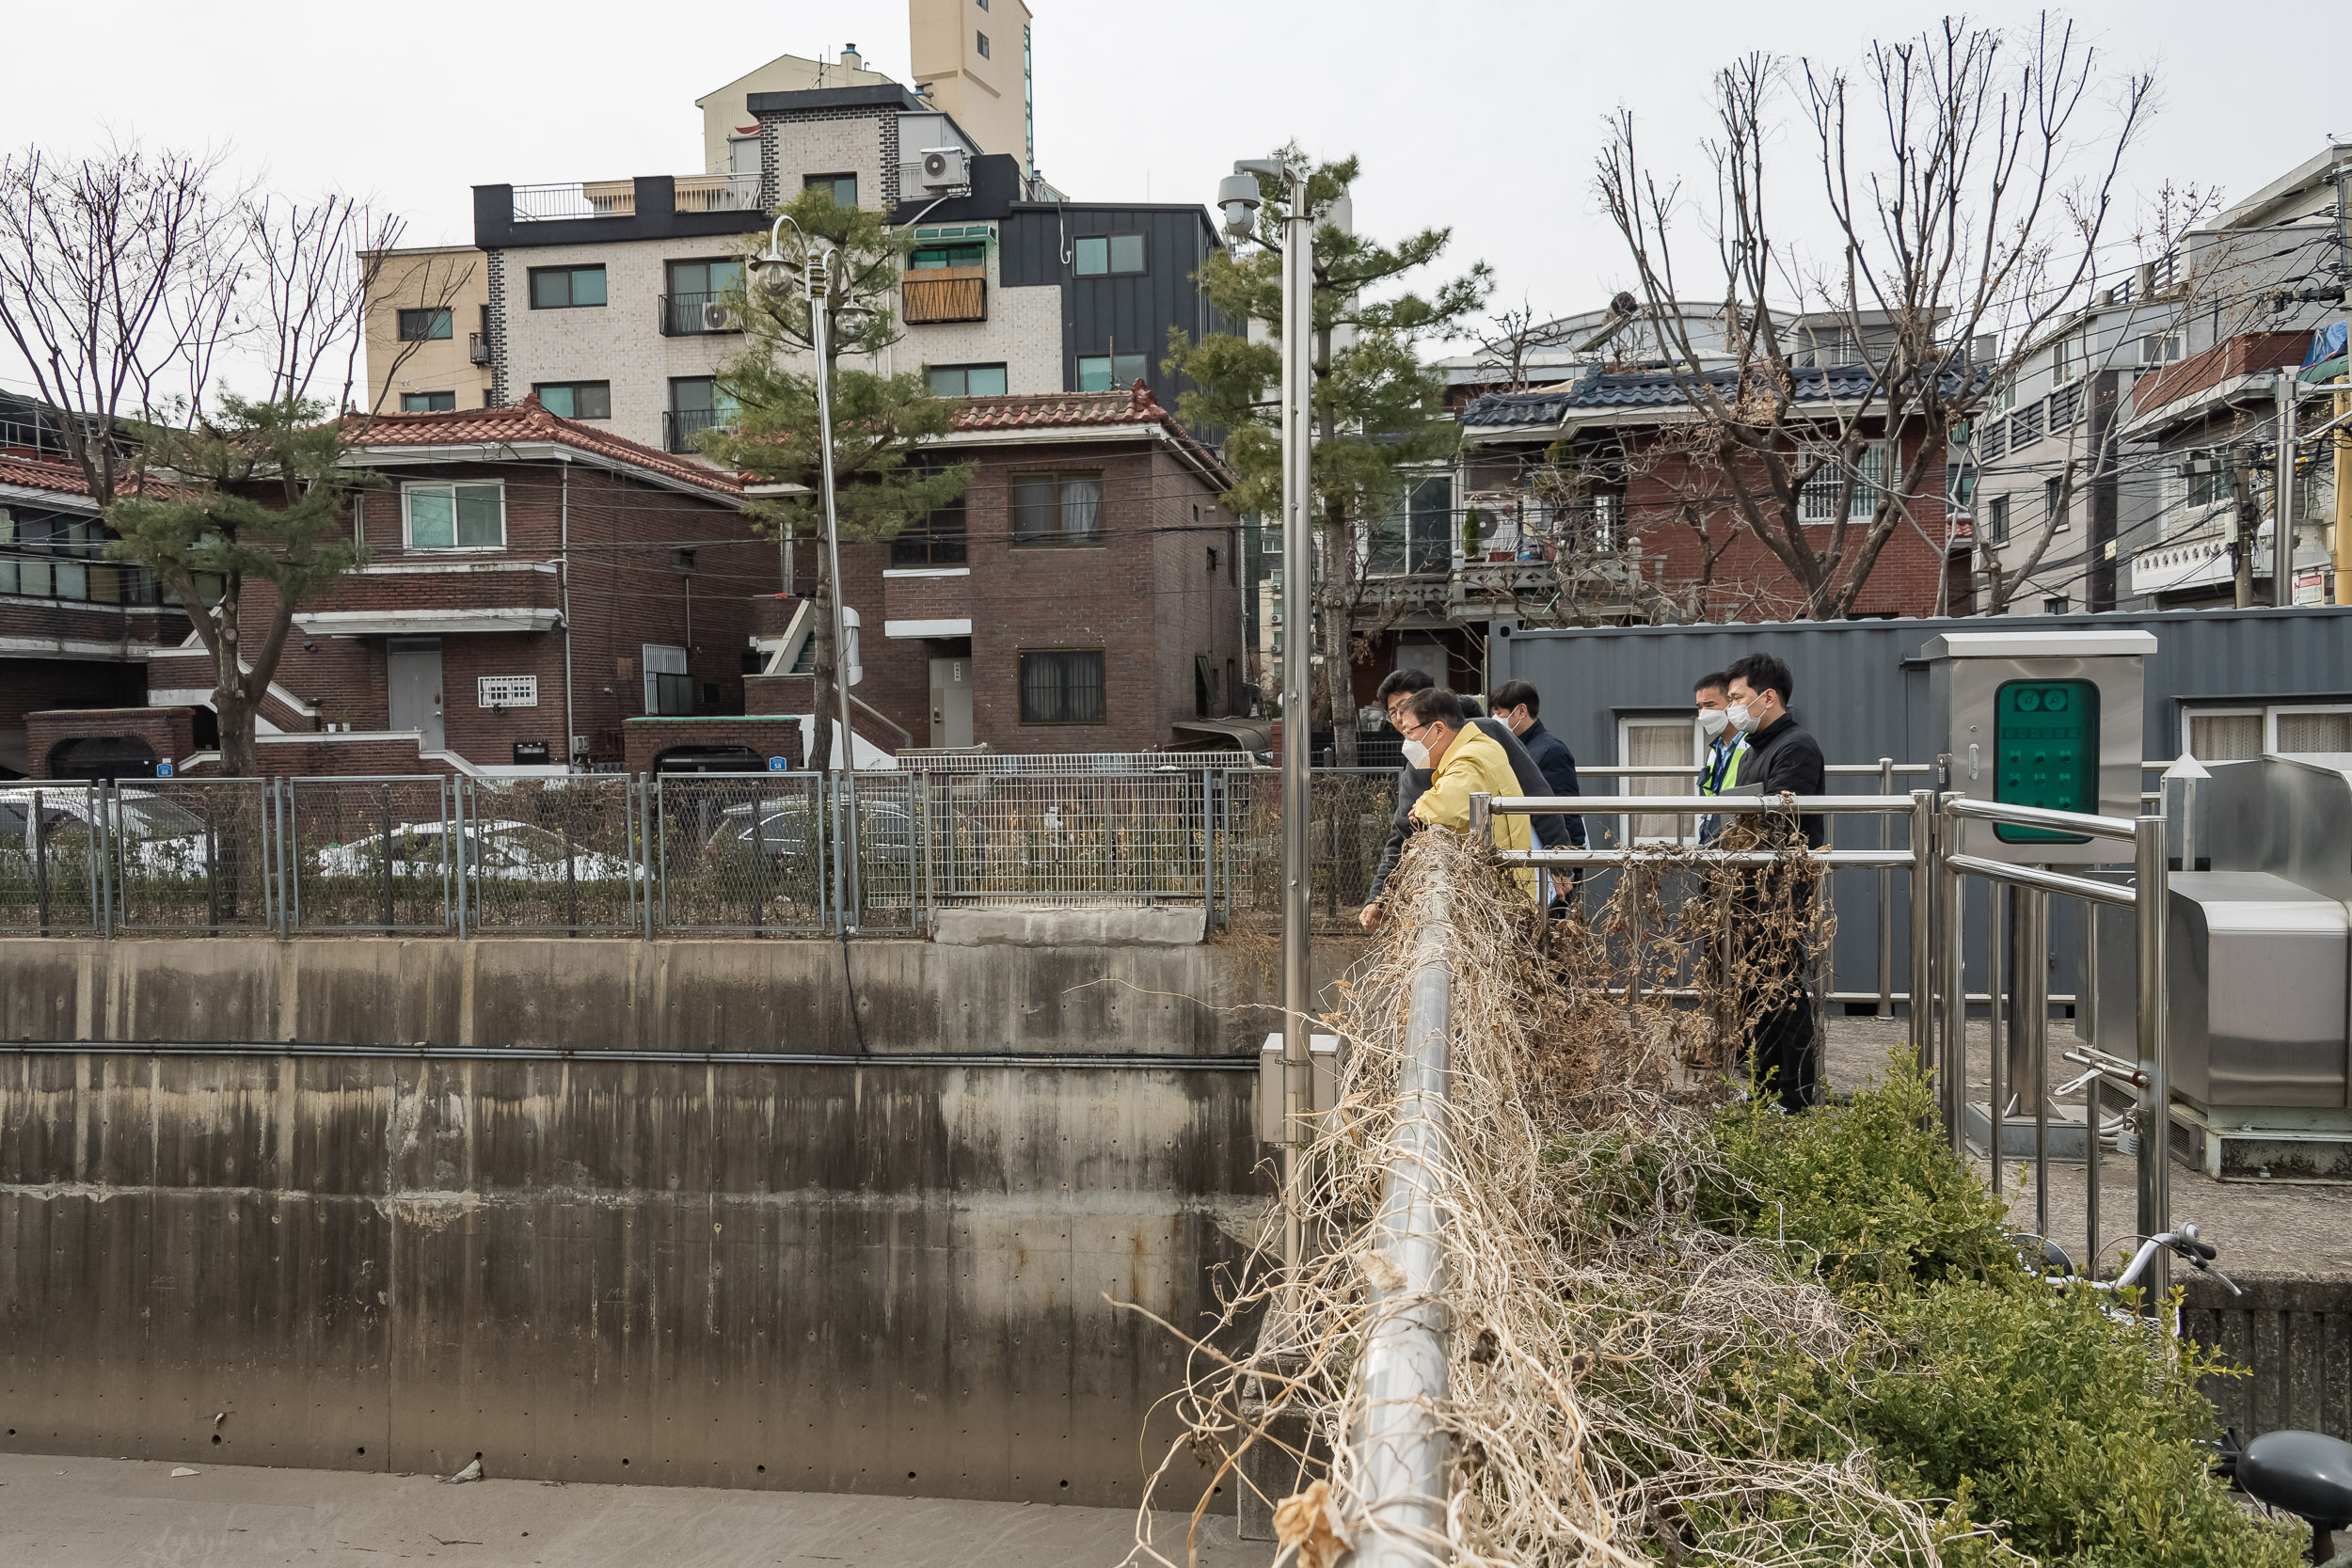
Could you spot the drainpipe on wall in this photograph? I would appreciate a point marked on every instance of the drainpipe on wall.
(564, 579)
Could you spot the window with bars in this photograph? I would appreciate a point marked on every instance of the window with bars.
(2025, 426)
(1996, 439)
(2066, 406)
(1818, 501)
(1063, 686)
(507, 690)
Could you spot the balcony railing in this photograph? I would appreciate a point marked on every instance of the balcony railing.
(696, 315)
(577, 199)
(947, 294)
(477, 348)
(716, 193)
(680, 426)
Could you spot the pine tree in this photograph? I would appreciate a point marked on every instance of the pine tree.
(880, 422)
(1378, 412)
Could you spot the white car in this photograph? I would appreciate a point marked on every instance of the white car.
(498, 852)
(156, 835)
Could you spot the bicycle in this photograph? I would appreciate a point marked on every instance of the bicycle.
(2308, 1474)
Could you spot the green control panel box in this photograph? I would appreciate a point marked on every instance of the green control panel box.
(2045, 747)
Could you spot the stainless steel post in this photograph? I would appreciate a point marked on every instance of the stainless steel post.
(1997, 1061)
(1952, 976)
(1920, 986)
(2029, 1030)
(2150, 894)
(1299, 630)
(2283, 494)
(1886, 899)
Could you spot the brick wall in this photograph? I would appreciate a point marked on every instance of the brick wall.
(861, 139)
(647, 739)
(169, 732)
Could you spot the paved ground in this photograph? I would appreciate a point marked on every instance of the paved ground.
(125, 1513)
(2260, 1227)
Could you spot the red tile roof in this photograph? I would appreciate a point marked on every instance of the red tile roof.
(42, 473)
(526, 420)
(1065, 410)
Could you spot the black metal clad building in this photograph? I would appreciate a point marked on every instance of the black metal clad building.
(1122, 313)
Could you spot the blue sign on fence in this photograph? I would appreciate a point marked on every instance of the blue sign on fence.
(775, 764)
(163, 770)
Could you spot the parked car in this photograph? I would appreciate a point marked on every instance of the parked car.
(499, 851)
(156, 835)
(785, 828)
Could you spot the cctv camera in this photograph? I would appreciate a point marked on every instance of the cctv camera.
(1237, 194)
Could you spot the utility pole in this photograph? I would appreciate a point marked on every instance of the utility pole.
(2243, 515)
(2282, 496)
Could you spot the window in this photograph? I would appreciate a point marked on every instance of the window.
(1061, 688)
(691, 305)
(2160, 348)
(960, 253)
(1996, 520)
(1818, 501)
(2025, 427)
(696, 404)
(2055, 605)
(576, 399)
(2070, 359)
(1057, 509)
(938, 540)
(2054, 502)
(1996, 439)
(669, 690)
(982, 38)
(1960, 487)
(2235, 734)
(420, 326)
(506, 691)
(1110, 373)
(455, 516)
(965, 381)
(1421, 537)
(844, 187)
(49, 555)
(2066, 406)
(566, 288)
(2208, 481)
(427, 402)
(1660, 742)
(1098, 255)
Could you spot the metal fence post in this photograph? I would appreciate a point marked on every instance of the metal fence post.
(1886, 899)
(1919, 987)
(1953, 979)
(457, 850)
(2029, 1030)
(2151, 897)
(109, 884)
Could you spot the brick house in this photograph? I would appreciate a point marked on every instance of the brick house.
(75, 629)
(1085, 596)
(531, 584)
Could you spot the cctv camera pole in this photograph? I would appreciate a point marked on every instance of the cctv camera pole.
(821, 331)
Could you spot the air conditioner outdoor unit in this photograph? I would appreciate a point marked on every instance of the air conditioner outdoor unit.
(715, 317)
(946, 167)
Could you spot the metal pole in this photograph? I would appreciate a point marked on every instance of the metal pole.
(820, 326)
(1922, 920)
(2030, 1014)
(1997, 1061)
(2150, 894)
(2282, 496)
(1886, 899)
(1954, 976)
(1297, 709)
(1401, 1445)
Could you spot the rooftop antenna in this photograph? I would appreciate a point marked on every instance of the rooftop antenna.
(1622, 313)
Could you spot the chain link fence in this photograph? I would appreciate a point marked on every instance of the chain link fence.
(1351, 811)
(558, 853)
(189, 854)
(742, 852)
(371, 854)
(49, 859)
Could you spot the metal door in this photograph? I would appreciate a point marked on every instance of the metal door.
(951, 701)
(413, 676)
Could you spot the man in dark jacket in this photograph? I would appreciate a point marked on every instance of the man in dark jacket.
(1516, 704)
(1782, 759)
(1413, 777)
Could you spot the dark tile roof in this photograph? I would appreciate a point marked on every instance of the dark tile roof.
(1599, 388)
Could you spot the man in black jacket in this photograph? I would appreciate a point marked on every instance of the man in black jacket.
(1518, 704)
(1413, 777)
(1784, 759)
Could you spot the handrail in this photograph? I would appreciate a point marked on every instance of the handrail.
(1887, 858)
(1700, 805)
(2042, 817)
(1400, 1446)
(2047, 881)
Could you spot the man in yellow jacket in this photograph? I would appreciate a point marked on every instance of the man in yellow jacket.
(1463, 761)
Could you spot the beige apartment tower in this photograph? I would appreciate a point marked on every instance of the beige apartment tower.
(427, 340)
(973, 56)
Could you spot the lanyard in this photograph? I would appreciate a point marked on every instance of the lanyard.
(1723, 765)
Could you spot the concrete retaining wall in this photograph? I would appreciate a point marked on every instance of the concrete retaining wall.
(872, 1275)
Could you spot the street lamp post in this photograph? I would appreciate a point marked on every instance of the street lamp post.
(817, 273)
(1238, 196)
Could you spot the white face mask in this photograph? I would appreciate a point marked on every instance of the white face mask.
(1417, 756)
(1714, 719)
(1741, 719)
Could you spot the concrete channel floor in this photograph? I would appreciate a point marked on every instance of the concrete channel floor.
(2261, 1227)
(61, 1513)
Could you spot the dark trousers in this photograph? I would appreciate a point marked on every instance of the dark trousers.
(1786, 1056)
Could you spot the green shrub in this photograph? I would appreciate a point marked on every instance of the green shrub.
(2042, 1426)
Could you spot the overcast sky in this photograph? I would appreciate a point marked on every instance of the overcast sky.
(1481, 114)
